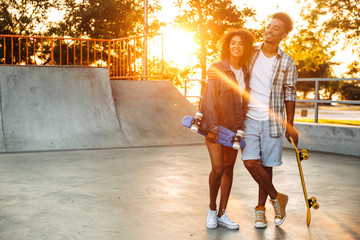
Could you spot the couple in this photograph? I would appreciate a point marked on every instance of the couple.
(249, 90)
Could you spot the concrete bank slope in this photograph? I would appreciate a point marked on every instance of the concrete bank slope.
(150, 113)
(62, 107)
(53, 108)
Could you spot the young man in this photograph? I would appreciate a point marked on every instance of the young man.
(272, 89)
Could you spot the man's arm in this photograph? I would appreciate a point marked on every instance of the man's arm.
(290, 130)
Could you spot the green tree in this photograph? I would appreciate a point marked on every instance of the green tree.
(354, 69)
(338, 20)
(341, 16)
(312, 58)
(350, 91)
(22, 17)
(104, 19)
(209, 19)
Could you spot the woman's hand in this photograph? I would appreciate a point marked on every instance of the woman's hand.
(211, 137)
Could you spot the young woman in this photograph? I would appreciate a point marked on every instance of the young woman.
(223, 103)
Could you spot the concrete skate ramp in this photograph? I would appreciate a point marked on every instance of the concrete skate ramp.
(55, 108)
(150, 113)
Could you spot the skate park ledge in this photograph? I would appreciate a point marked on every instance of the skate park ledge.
(339, 139)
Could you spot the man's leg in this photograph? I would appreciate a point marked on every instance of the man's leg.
(262, 193)
(262, 177)
(271, 153)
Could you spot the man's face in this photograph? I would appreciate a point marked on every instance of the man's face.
(275, 31)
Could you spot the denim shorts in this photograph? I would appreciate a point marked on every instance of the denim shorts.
(259, 144)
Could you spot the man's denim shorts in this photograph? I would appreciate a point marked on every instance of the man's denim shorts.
(259, 144)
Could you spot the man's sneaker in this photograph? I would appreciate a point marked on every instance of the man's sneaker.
(226, 222)
(211, 221)
(279, 205)
(260, 218)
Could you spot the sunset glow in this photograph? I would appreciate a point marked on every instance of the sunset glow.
(179, 47)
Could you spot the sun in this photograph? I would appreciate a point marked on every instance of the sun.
(179, 47)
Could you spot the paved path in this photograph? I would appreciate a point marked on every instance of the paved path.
(161, 193)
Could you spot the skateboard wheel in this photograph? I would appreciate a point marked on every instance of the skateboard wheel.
(305, 156)
(303, 151)
(313, 199)
(316, 206)
(196, 122)
(240, 133)
(198, 115)
(194, 128)
(236, 145)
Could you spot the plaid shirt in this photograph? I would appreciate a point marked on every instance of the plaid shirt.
(284, 76)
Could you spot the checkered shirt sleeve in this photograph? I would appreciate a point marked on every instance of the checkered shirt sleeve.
(284, 76)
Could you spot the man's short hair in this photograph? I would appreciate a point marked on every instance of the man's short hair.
(285, 18)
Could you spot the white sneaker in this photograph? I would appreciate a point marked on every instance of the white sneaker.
(226, 222)
(211, 221)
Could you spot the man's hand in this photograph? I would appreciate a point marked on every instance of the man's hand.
(211, 137)
(291, 132)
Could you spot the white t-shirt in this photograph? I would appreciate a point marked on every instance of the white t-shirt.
(239, 74)
(260, 88)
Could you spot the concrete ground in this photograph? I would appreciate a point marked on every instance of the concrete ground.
(162, 193)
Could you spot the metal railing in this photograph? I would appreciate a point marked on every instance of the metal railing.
(316, 100)
(124, 57)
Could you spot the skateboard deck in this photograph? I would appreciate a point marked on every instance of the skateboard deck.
(226, 137)
(310, 202)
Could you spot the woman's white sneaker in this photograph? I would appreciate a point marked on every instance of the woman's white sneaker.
(226, 222)
(211, 221)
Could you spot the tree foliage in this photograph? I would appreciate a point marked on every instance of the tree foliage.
(342, 16)
(22, 17)
(104, 19)
(350, 91)
(339, 20)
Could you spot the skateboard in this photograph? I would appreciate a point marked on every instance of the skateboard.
(226, 137)
(310, 202)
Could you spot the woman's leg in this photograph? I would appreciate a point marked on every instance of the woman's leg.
(217, 169)
(227, 177)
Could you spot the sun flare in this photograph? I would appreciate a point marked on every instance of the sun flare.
(179, 47)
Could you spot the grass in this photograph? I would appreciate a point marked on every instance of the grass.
(331, 121)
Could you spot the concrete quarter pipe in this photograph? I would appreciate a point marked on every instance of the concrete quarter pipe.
(53, 108)
(62, 107)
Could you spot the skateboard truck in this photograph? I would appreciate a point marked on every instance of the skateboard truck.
(313, 203)
(236, 140)
(196, 122)
(303, 154)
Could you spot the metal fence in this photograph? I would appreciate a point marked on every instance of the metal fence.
(316, 100)
(124, 56)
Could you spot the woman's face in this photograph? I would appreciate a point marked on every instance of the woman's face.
(236, 47)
